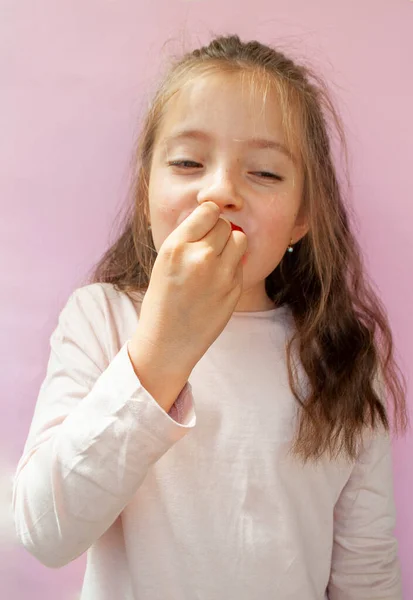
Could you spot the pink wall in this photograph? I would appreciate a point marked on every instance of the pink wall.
(74, 76)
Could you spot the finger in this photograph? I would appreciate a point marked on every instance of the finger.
(218, 236)
(198, 223)
(235, 248)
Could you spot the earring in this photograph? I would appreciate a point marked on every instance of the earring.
(290, 247)
(149, 227)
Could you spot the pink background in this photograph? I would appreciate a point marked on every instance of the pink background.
(75, 75)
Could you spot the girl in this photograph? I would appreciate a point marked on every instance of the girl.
(213, 420)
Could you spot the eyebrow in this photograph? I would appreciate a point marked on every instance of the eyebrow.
(254, 142)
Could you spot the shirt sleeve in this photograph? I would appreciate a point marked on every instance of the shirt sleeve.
(365, 552)
(95, 433)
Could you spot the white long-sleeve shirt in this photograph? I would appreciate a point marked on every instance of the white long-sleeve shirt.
(204, 502)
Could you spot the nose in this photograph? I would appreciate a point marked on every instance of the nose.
(221, 189)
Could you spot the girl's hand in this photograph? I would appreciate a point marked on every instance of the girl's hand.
(195, 285)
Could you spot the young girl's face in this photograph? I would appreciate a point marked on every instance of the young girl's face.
(217, 124)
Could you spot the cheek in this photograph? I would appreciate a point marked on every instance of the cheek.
(165, 196)
(168, 208)
(276, 226)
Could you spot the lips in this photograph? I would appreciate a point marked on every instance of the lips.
(236, 227)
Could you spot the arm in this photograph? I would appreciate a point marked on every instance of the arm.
(364, 561)
(95, 432)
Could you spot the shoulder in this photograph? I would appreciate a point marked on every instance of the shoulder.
(101, 298)
(97, 292)
(101, 312)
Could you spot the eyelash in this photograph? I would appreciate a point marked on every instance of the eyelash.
(180, 163)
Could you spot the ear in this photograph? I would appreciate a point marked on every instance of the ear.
(299, 232)
(301, 226)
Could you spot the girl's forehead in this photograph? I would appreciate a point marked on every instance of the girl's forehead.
(230, 106)
(232, 102)
(235, 88)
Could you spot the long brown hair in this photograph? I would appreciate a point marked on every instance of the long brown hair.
(342, 336)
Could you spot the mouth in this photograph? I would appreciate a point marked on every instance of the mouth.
(236, 227)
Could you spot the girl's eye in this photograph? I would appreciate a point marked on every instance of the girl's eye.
(186, 164)
(190, 164)
(268, 175)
